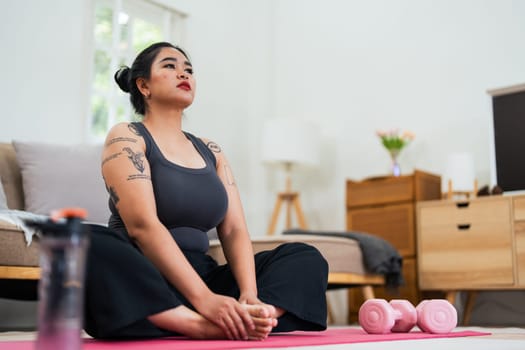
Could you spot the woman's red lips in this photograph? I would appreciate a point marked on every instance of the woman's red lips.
(184, 86)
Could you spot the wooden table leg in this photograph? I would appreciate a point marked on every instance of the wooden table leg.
(451, 296)
(330, 313)
(275, 216)
(469, 305)
(368, 292)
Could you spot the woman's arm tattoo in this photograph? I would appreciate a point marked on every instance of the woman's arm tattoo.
(133, 129)
(113, 195)
(136, 159)
(121, 139)
(138, 177)
(214, 147)
(108, 158)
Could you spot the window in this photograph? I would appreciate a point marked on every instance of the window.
(122, 28)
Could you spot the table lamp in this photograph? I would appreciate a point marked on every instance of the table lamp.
(459, 175)
(287, 143)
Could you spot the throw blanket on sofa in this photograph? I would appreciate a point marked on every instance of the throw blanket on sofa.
(379, 256)
(18, 218)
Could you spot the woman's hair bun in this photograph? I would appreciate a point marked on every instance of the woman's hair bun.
(122, 78)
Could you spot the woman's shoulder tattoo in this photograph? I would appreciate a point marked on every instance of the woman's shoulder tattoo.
(213, 146)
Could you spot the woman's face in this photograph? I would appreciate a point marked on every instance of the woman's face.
(171, 80)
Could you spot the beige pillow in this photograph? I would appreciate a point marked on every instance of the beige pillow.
(3, 200)
(56, 176)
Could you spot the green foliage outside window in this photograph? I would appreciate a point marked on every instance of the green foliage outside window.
(115, 47)
(144, 34)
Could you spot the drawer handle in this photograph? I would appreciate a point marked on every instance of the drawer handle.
(463, 226)
(462, 204)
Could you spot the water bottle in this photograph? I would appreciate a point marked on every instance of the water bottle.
(63, 246)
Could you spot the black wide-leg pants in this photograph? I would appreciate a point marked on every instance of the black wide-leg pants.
(123, 287)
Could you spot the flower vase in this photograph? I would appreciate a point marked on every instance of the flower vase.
(396, 169)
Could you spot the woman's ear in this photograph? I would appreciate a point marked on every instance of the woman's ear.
(143, 87)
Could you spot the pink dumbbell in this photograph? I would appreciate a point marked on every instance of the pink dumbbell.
(378, 316)
(432, 316)
(436, 316)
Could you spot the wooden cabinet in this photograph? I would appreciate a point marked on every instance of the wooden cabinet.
(475, 244)
(385, 207)
(519, 236)
(396, 224)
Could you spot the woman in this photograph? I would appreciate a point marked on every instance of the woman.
(149, 275)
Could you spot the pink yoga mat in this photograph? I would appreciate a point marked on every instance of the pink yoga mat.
(282, 340)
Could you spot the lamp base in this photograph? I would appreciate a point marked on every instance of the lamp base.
(451, 194)
(291, 199)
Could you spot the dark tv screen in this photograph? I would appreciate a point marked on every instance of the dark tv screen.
(509, 140)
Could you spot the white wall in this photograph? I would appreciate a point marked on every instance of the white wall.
(358, 66)
(45, 64)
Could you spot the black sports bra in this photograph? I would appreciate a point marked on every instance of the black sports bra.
(189, 201)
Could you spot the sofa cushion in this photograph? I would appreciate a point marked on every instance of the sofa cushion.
(56, 176)
(14, 250)
(342, 254)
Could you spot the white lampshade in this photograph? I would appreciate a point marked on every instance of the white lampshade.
(460, 169)
(290, 141)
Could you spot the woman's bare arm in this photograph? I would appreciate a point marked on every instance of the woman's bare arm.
(235, 239)
(233, 232)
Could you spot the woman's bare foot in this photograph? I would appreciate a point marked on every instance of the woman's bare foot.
(264, 319)
(187, 322)
(190, 323)
(279, 312)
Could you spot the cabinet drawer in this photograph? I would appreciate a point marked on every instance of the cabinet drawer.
(435, 276)
(519, 208)
(452, 258)
(462, 214)
(394, 223)
(379, 191)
